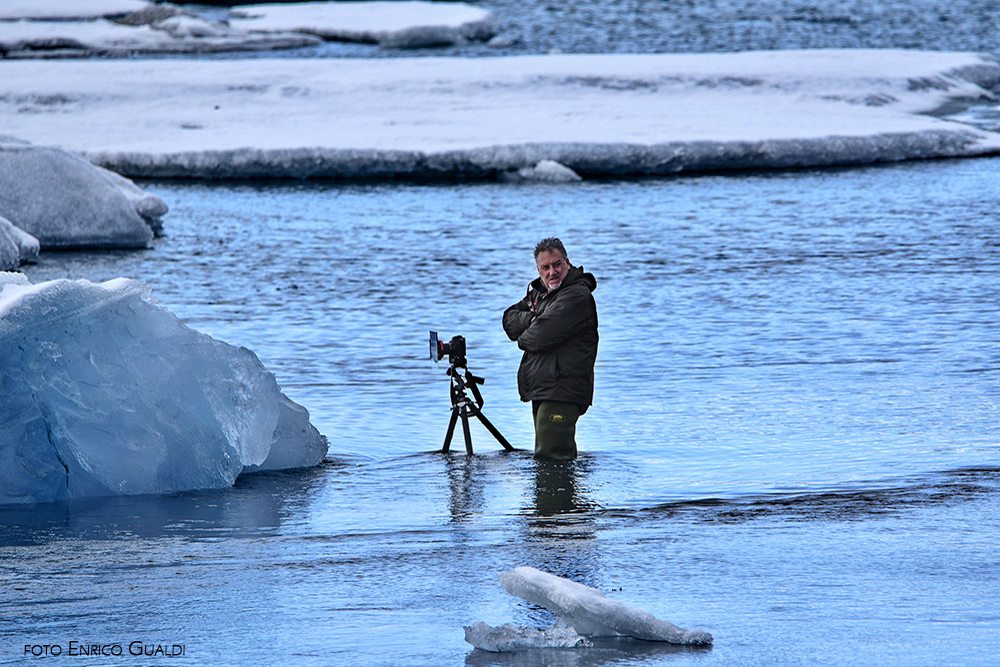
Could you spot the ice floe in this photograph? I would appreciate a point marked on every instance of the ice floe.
(106, 393)
(581, 611)
(64, 201)
(177, 33)
(546, 171)
(392, 24)
(510, 637)
(68, 9)
(58, 28)
(425, 119)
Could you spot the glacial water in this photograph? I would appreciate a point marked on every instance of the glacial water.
(794, 445)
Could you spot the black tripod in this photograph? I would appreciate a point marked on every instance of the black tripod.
(462, 405)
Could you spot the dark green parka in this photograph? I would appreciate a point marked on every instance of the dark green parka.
(558, 332)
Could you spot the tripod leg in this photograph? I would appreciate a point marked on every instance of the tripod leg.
(451, 430)
(491, 428)
(465, 429)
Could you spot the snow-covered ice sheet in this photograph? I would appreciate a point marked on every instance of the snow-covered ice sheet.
(181, 34)
(406, 24)
(367, 21)
(67, 9)
(442, 117)
(106, 393)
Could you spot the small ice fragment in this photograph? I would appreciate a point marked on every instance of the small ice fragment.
(17, 246)
(589, 612)
(509, 637)
(546, 171)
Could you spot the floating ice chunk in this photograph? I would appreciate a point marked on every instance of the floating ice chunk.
(10, 256)
(152, 14)
(150, 207)
(422, 37)
(553, 172)
(589, 612)
(65, 201)
(138, 33)
(295, 444)
(407, 24)
(17, 246)
(105, 393)
(509, 637)
(546, 171)
(67, 9)
(193, 26)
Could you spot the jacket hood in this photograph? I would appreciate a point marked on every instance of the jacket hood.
(575, 274)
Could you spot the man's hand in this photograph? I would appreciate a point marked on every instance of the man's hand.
(519, 317)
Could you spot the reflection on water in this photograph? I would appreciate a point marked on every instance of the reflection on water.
(560, 488)
(255, 507)
(606, 651)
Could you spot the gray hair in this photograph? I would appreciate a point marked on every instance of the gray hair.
(550, 244)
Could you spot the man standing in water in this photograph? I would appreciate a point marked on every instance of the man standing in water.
(556, 326)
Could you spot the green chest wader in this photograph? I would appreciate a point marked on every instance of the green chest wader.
(555, 430)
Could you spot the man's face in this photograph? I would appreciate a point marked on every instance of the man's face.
(552, 268)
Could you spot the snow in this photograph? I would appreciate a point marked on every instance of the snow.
(167, 28)
(178, 34)
(590, 613)
(106, 393)
(67, 9)
(65, 201)
(390, 23)
(477, 118)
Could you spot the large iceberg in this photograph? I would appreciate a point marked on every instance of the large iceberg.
(580, 611)
(65, 201)
(106, 393)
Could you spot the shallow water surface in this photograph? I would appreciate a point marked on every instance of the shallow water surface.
(794, 444)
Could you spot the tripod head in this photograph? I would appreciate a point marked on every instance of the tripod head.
(455, 349)
(458, 368)
(461, 380)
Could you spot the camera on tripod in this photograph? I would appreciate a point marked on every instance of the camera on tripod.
(462, 407)
(454, 349)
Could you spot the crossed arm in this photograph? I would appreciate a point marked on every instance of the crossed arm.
(556, 323)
